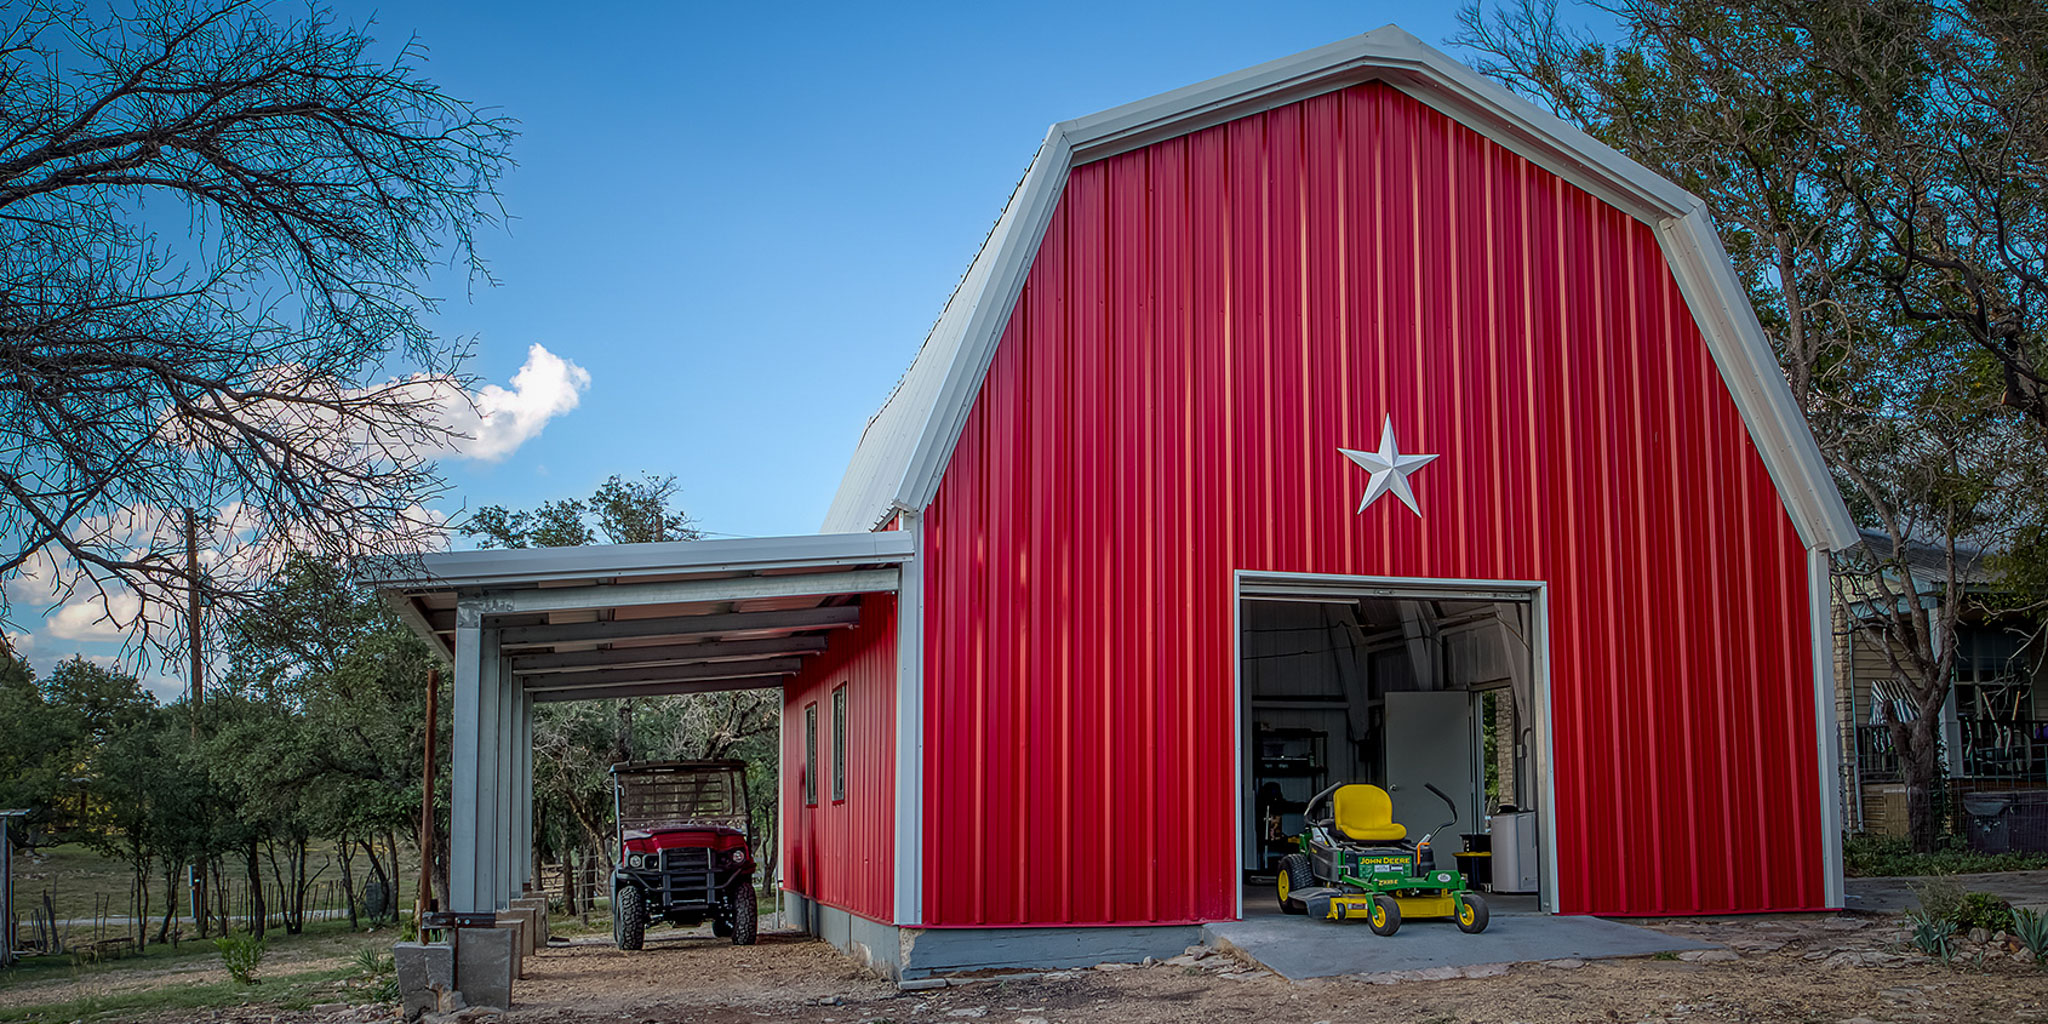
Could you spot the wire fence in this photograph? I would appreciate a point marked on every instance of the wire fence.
(101, 925)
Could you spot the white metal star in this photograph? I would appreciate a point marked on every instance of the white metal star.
(1389, 469)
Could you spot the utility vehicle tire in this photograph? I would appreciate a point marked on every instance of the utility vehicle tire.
(1385, 916)
(1471, 913)
(629, 917)
(746, 914)
(1295, 874)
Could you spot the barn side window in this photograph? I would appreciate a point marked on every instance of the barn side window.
(810, 755)
(839, 743)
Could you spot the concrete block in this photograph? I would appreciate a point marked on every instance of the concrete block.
(426, 977)
(486, 961)
(535, 912)
(515, 924)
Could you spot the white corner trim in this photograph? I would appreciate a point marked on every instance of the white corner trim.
(1827, 731)
(903, 454)
(909, 881)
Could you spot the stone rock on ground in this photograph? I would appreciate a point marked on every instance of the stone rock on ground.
(1708, 956)
(1437, 974)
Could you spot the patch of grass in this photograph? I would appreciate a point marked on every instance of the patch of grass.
(1865, 856)
(320, 939)
(286, 990)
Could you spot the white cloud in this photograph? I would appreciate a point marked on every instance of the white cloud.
(88, 620)
(496, 421)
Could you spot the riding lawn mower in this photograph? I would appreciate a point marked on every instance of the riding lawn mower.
(1358, 862)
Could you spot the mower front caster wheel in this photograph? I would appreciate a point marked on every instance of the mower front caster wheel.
(1295, 874)
(1471, 913)
(1385, 916)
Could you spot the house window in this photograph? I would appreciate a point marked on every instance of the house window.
(810, 755)
(839, 743)
(1995, 706)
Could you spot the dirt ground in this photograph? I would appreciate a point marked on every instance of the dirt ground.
(1841, 970)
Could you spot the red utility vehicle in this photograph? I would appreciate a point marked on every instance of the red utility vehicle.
(684, 849)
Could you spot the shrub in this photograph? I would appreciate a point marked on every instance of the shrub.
(240, 952)
(1941, 898)
(2031, 927)
(1869, 856)
(1983, 910)
(380, 973)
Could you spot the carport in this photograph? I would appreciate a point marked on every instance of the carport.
(535, 625)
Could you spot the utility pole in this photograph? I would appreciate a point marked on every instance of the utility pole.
(192, 614)
(198, 684)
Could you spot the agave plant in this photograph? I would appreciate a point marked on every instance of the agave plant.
(2031, 926)
(1934, 935)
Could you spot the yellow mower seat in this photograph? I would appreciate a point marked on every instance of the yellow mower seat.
(1365, 814)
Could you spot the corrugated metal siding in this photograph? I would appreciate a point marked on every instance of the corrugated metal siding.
(1207, 320)
(843, 853)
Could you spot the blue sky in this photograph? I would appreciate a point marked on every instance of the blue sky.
(739, 221)
(742, 220)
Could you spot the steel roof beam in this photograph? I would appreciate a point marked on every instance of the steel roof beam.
(657, 689)
(682, 626)
(669, 674)
(737, 588)
(668, 654)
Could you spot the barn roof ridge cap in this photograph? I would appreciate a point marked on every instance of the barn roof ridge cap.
(905, 447)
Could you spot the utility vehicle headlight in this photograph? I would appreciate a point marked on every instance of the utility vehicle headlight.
(634, 860)
(739, 856)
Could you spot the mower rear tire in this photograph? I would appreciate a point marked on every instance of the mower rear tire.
(1295, 875)
(1471, 913)
(746, 915)
(629, 917)
(1385, 916)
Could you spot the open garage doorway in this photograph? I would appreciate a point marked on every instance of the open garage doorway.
(1404, 685)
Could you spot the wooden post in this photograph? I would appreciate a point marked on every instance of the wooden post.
(426, 897)
(6, 892)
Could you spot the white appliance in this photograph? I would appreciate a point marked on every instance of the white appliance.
(1515, 863)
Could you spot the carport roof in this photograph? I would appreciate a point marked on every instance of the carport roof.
(638, 619)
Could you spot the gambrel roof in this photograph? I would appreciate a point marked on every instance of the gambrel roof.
(903, 453)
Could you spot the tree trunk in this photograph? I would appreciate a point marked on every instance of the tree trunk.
(163, 930)
(377, 869)
(397, 878)
(1920, 768)
(258, 909)
(348, 883)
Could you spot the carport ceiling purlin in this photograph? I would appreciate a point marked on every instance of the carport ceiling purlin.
(634, 620)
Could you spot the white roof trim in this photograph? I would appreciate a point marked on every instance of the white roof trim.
(903, 454)
(518, 567)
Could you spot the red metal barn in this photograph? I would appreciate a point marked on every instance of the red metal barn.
(1124, 448)
(1341, 419)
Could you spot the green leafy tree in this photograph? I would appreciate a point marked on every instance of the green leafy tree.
(1878, 193)
(34, 759)
(341, 683)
